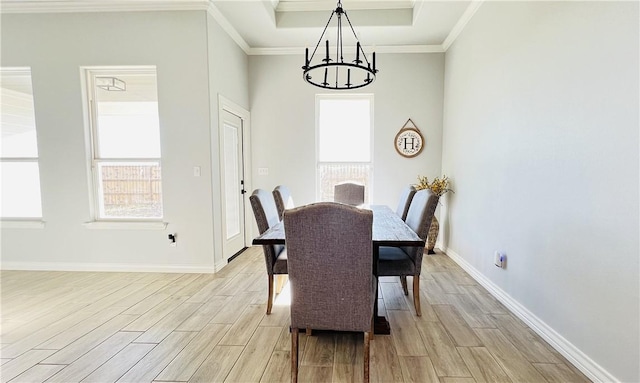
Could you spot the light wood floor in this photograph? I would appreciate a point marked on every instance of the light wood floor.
(143, 327)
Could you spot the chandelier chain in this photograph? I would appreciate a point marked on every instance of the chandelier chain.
(321, 36)
(354, 33)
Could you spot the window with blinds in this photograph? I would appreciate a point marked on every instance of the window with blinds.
(125, 150)
(344, 142)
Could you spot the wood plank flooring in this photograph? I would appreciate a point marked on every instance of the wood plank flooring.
(154, 327)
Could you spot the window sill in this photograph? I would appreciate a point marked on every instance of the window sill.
(120, 225)
(21, 224)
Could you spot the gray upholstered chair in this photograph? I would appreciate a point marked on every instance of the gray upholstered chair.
(405, 201)
(275, 256)
(349, 193)
(330, 272)
(282, 195)
(407, 261)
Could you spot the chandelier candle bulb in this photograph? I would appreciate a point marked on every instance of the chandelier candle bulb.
(325, 76)
(374, 62)
(358, 53)
(306, 57)
(348, 77)
(327, 58)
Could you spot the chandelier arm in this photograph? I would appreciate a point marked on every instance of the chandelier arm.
(356, 36)
(319, 40)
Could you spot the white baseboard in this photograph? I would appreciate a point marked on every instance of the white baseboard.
(578, 358)
(221, 266)
(117, 267)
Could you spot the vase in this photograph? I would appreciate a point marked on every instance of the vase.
(433, 235)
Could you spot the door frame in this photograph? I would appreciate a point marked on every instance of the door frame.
(224, 104)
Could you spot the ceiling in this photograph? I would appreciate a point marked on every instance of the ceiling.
(398, 25)
(287, 26)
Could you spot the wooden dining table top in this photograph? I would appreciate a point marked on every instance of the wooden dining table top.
(388, 230)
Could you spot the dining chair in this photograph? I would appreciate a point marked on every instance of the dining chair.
(275, 256)
(407, 261)
(330, 272)
(283, 199)
(405, 201)
(350, 193)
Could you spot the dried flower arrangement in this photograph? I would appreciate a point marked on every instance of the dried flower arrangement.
(438, 186)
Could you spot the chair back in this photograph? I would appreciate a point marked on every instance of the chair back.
(266, 213)
(349, 193)
(282, 196)
(330, 268)
(421, 211)
(405, 201)
(264, 209)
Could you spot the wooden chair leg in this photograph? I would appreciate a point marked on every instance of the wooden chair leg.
(281, 280)
(403, 282)
(416, 294)
(270, 294)
(294, 355)
(373, 326)
(366, 356)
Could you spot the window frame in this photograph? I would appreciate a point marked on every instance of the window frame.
(89, 75)
(24, 221)
(350, 96)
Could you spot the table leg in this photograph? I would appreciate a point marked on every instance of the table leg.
(380, 324)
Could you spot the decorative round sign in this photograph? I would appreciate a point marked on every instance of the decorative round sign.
(409, 141)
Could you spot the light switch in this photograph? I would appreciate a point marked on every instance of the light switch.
(263, 171)
(196, 171)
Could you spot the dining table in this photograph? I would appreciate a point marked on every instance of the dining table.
(388, 230)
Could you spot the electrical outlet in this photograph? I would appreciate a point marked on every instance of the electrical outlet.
(173, 238)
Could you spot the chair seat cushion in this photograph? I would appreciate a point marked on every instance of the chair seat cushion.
(394, 261)
(280, 267)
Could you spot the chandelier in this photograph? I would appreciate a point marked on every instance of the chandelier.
(336, 73)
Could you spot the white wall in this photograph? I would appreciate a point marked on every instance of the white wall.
(283, 122)
(55, 46)
(541, 141)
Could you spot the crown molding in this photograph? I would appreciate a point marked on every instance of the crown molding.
(378, 49)
(70, 6)
(436, 48)
(226, 25)
(461, 24)
(417, 8)
(320, 5)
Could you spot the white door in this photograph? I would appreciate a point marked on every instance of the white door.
(233, 191)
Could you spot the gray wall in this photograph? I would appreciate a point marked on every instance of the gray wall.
(228, 77)
(55, 46)
(541, 140)
(283, 128)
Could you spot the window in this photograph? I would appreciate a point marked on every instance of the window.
(20, 175)
(125, 150)
(344, 136)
